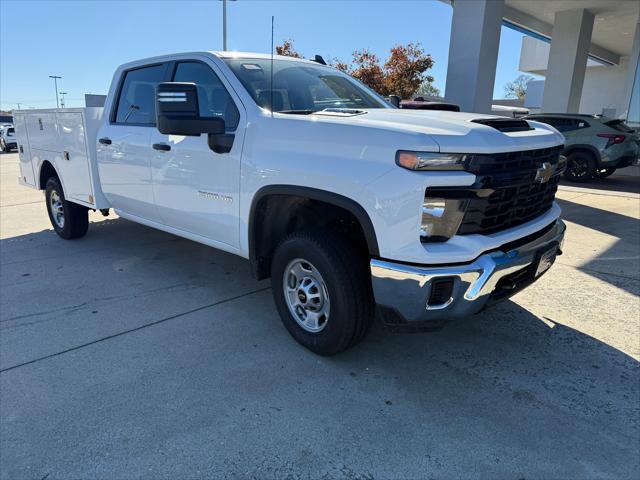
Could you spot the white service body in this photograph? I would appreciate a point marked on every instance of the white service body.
(65, 137)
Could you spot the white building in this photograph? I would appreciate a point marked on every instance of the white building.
(566, 34)
(603, 90)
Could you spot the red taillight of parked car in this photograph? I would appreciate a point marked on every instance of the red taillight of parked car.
(613, 138)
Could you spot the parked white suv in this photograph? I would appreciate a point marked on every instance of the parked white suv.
(343, 200)
(7, 138)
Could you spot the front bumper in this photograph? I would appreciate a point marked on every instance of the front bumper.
(404, 291)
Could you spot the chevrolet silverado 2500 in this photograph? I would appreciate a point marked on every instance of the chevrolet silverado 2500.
(343, 200)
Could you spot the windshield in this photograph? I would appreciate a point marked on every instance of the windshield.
(301, 87)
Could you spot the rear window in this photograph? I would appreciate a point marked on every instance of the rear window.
(563, 124)
(11, 130)
(619, 125)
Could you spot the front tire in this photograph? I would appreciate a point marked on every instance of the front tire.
(68, 219)
(322, 290)
(581, 167)
(604, 172)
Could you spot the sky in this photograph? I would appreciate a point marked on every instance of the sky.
(83, 41)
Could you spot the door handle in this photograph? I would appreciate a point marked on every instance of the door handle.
(163, 147)
(105, 141)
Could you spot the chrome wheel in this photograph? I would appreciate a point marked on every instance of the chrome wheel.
(57, 210)
(306, 295)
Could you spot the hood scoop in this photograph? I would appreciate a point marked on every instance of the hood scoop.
(505, 124)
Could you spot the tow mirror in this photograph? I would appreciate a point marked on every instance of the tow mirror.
(178, 113)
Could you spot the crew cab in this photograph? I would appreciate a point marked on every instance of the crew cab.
(344, 201)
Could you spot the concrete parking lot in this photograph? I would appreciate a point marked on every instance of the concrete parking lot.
(133, 353)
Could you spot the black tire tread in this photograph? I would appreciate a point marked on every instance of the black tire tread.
(351, 277)
(592, 166)
(76, 216)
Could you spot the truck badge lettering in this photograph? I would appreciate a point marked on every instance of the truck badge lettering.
(215, 196)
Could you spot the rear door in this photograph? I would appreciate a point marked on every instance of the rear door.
(24, 152)
(74, 164)
(123, 148)
(196, 189)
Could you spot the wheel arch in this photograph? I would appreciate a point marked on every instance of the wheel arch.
(294, 193)
(47, 170)
(584, 147)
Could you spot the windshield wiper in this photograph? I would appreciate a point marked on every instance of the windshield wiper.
(298, 112)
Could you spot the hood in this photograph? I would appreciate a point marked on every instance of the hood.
(454, 132)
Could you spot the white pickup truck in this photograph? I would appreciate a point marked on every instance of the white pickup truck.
(343, 200)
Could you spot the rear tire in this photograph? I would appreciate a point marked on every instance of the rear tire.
(604, 172)
(581, 167)
(68, 219)
(321, 267)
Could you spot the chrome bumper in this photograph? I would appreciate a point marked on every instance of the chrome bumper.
(406, 289)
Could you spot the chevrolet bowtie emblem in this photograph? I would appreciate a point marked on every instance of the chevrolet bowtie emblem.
(544, 173)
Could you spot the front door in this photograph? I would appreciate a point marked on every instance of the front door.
(123, 146)
(197, 190)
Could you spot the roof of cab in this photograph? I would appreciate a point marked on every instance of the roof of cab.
(248, 55)
(222, 55)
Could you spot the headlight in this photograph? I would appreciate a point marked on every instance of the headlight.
(430, 161)
(441, 218)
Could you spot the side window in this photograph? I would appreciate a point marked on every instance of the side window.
(554, 122)
(213, 98)
(560, 124)
(137, 100)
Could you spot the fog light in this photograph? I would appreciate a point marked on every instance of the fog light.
(441, 218)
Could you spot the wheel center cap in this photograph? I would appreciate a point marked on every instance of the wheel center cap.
(302, 297)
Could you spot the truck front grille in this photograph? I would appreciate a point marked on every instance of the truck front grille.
(517, 186)
(510, 189)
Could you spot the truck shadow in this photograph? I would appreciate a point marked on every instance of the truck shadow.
(619, 264)
(509, 378)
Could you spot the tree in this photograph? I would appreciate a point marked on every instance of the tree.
(405, 70)
(427, 89)
(365, 67)
(287, 49)
(402, 74)
(518, 87)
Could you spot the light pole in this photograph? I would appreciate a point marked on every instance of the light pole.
(62, 94)
(55, 82)
(224, 24)
(18, 105)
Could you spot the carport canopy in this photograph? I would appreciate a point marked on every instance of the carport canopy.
(577, 30)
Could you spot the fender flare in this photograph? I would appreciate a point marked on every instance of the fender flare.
(336, 199)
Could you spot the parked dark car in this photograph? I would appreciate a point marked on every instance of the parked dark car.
(420, 103)
(595, 146)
